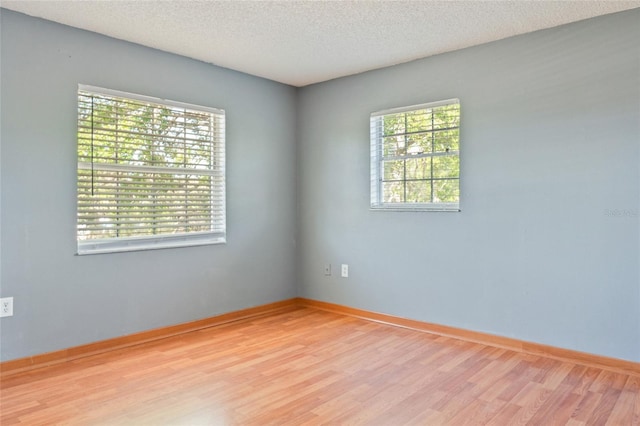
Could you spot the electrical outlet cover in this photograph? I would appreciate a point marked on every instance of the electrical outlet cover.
(345, 271)
(6, 307)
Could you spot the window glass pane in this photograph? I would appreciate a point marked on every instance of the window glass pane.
(418, 121)
(446, 116)
(394, 146)
(394, 170)
(394, 124)
(446, 140)
(418, 143)
(393, 192)
(446, 191)
(418, 168)
(418, 191)
(446, 166)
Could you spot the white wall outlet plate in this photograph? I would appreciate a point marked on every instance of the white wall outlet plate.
(6, 307)
(345, 270)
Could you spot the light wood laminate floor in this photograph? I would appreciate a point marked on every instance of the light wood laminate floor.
(312, 367)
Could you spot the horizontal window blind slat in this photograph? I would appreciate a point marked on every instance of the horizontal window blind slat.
(167, 165)
(98, 214)
(168, 228)
(98, 133)
(109, 221)
(150, 224)
(142, 213)
(131, 206)
(143, 196)
(147, 228)
(153, 187)
(146, 204)
(148, 169)
(105, 142)
(143, 180)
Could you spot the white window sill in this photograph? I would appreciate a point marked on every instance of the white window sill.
(118, 245)
(407, 207)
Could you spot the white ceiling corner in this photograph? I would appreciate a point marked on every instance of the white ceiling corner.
(305, 42)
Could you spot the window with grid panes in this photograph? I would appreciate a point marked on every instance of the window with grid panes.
(151, 173)
(415, 157)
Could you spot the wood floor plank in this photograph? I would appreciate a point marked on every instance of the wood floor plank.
(507, 415)
(586, 406)
(312, 367)
(622, 413)
(604, 408)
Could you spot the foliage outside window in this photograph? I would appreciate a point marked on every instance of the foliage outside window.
(151, 173)
(415, 157)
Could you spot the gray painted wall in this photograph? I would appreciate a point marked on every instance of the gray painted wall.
(62, 300)
(546, 248)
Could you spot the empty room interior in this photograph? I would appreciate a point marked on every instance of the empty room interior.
(310, 212)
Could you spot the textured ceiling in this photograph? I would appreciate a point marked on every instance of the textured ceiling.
(305, 42)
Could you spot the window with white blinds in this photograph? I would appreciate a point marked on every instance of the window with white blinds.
(415, 157)
(151, 173)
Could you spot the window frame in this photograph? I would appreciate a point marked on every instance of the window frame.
(217, 209)
(377, 162)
